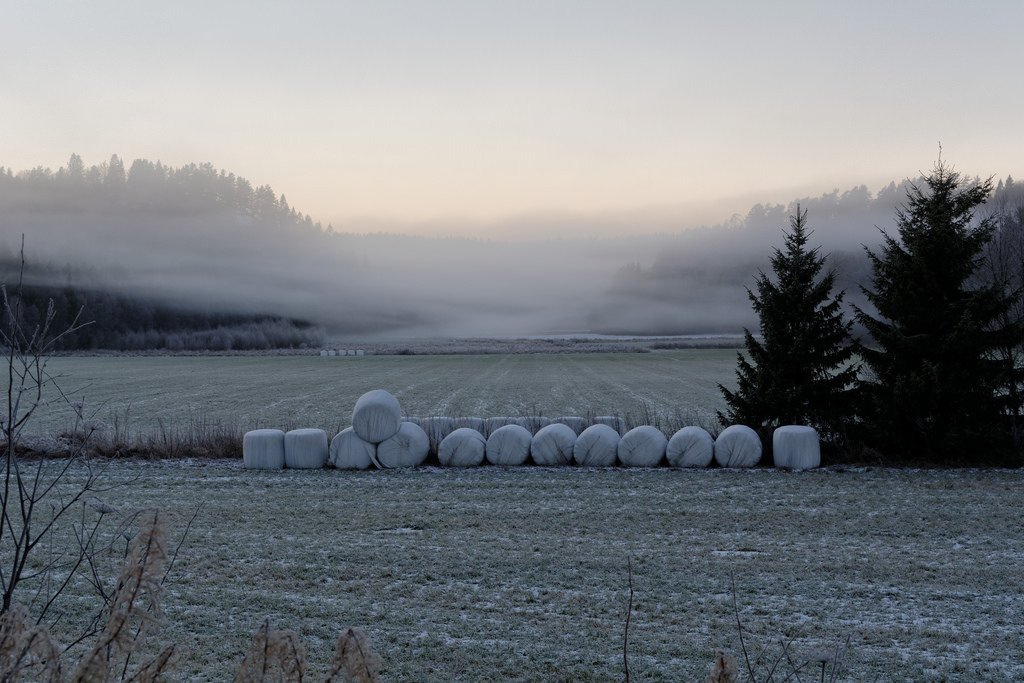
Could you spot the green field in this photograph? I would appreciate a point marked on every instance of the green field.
(283, 391)
(520, 574)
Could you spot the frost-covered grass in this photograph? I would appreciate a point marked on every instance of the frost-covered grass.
(307, 391)
(520, 574)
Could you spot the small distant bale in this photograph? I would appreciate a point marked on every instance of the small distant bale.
(737, 446)
(305, 449)
(690, 447)
(360, 352)
(464, 447)
(324, 353)
(642, 447)
(349, 352)
(408, 447)
(576, 424)
(553, 445)
(796, 447)
(263, 449)
(616, 423)
(349, 452)
(492, 424)
(509, 445)
(476, 423)
(376, 416)
(332, 352)
(534, 423)
(597, 446)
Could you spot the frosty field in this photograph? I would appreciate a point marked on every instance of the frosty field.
(279, 391)
(520, 574)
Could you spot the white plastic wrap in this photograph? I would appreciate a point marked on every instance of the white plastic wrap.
(509, 445)
(796, 447)
(553, 445)
(737, 446)
(349, 452)
(642, 447)
(464, 447)
(263, 449)
(376, 416)
(305, 449)
(406, 448)
(597, 446)
(690, 447)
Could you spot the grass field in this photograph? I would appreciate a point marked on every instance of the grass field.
(520, 574)
(280, 391)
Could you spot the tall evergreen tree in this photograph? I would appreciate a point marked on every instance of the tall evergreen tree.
(800, 372)
(936, 390)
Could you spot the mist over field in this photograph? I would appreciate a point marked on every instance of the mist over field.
(205, 239)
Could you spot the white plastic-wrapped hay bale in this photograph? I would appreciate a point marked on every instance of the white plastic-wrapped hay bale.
(493, 424)
(376, 416)
(616, 423)
(553, 445)
(509, 445)
(690, 447)
(263, 449)
(332, 352)
(324, 353)
(305, 449)
(360, 352)
(796, 447)
(576, 424)
(533, 423)
(642, 447)
(406, 448)
(476, 423)
(737, 446)
(597, 446)
(464, 447)
(349, 452)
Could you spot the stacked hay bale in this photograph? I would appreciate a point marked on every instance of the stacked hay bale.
(690, 447)
(377, 419)
(349, 452)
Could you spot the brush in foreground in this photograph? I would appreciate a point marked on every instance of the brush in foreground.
(464, 447)
(408, 447)
(738, 446)
(305, 449)
(690, 447)
(597, 446)
(796, 447)
(263, 449)
(642, 447)
(376, 416)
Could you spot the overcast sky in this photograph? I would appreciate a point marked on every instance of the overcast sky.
(445, 112)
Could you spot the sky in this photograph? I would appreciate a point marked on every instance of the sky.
(459, 116)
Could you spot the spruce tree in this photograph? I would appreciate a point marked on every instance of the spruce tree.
(800, 371)
(936, 387)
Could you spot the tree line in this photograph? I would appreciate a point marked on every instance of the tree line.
(937, 375)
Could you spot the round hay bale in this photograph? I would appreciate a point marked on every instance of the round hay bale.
(376, 416)
(737, 446)
(553, 445)
(493, 424)
(690, 447)
(576, 424)
(509, 445)
(305, 449)
(616, 423)
(464, 447)
(324, 353)
(533, 423)
(476, 423)
(642, 447)
(349, 452)
(408, 447)
(597, 446)
(796, 447)
(263, 449)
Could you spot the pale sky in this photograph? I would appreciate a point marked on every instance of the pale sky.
(471, 111)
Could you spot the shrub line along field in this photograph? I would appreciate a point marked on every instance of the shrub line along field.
(520, 574)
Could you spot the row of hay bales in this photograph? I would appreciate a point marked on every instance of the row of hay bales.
(381, 437)
(342, 352)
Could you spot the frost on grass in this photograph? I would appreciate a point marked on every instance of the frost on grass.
(738, 446)
(597, 446)
(263, 449)
(376, 416)
(509, 445)
(464, 447)
(796, 447)
(406, 448)
(305, 449)
(642, 447)
(349, 452)
(690, 447)
(553, 445)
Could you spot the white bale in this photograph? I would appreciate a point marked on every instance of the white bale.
(509, 445)
(597, 446)
(796, 447)
(332, 352)
(349, 452)
(642, 447)
(616, 423)
(577, 424)
(464, 447)
(263, 449)
(534, 423)
(492, 424)
(476, 423)
(406, 448)
(305, 449)
(553, 445)
(360, 352)
(376, 416)
(737, 446)
(349, 352)
(690, 447)
(323, 353)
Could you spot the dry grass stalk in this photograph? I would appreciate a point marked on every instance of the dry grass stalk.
(354, 659)
(273, 656)
(26, 650)
(725, 670)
